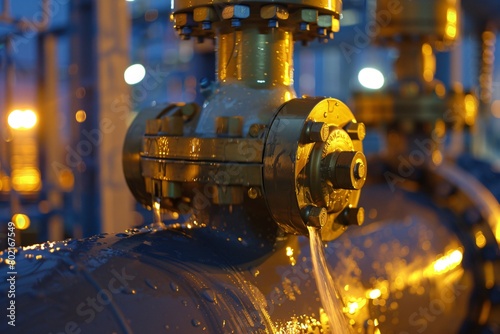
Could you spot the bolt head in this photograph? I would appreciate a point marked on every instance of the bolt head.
(236, 12)
(359, 170)
(273, 12)
(255, 130)
(357, 131)
(317, 131)
(315, 216)
(326, 21)
(345, 170)
(308, 15)
(253, 193)
(204, 14)
(180, 20)
(352, 216)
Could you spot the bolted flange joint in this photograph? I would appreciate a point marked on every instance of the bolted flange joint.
(345, 170)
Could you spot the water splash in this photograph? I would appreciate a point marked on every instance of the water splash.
(157, 224)
(330, 297)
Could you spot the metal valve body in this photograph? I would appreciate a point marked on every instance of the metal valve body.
(252, 152)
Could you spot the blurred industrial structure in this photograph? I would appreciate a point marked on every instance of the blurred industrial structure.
(60, 164)
(423, 77)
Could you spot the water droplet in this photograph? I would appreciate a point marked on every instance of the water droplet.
(151, 284)
(195, 323)
(209, 295)
(174, 287)
(167, 327)
(185, 303)
(128, 290)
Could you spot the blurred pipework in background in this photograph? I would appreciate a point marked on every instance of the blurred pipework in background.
(85, 87)
(60, 144)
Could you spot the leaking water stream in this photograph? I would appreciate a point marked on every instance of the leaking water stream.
(329, 295)
(157, 224)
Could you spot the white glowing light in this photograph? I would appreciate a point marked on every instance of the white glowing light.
(22, 119)
(371, 78)
(134, 74)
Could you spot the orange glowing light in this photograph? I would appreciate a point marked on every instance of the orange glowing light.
(26, 179)
(21, 221)
(80, 116)
(373, 294)
(22, 119)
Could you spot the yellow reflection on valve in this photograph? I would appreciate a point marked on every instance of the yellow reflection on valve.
(373, 294)
(446, 263)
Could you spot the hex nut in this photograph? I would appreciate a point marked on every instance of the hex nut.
(352, 216)
(236, 12)
(316, 131)
(315, 216)
(357, 131)
(274, 12)
(307, 15)
(204, 14)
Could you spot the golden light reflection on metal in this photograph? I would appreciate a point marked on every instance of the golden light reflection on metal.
(304, 324)
(22, 119)
(451, 15)
(289, 253)
(21, 221)
(352, 307)
(323, 317)
(80, 116)
(445, 263)
(497, 232)
(373, 294)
